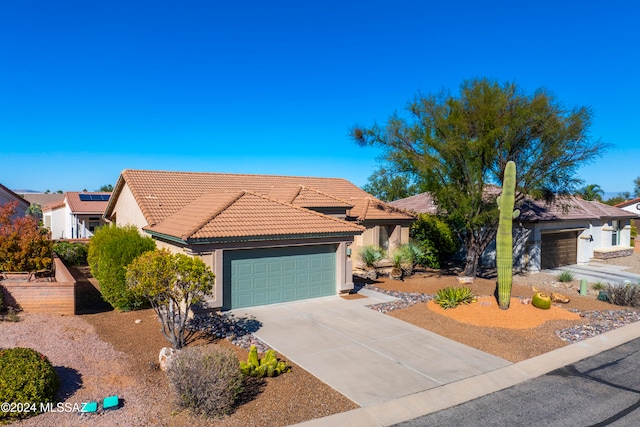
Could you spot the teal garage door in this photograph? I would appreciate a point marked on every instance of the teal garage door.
(267, 276)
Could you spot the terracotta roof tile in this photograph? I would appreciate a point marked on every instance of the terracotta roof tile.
(628, 203)
(369, 208)
(162, 193)
(420, 203)
(91, 207)
(245, 214)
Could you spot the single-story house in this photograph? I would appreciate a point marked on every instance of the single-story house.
(267, 238)
(41, 199)
(7, 196)
(76, 215)
(569, 231)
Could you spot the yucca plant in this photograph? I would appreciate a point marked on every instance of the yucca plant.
(451, 297)
(370, 256)
(411, 252)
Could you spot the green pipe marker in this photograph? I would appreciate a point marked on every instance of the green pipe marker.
(583, 286)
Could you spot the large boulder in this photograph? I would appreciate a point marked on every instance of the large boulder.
(166, 353)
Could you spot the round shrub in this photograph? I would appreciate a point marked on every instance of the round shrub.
(26, 377)
(436, 239)
(205, 381)
(111, 250)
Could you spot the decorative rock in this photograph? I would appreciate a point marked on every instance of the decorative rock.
(465, 280)
(138, 321)
(165, 357)
(563, 299)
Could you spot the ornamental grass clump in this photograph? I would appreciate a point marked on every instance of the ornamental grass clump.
(565, 276)
(451, 297)
(626, 294)
(27, 380)
(206, 381)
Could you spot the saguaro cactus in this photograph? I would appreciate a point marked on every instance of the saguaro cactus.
(504, 239)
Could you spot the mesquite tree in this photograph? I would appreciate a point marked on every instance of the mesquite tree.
(455, 147)
(504, 238)
(172, 284)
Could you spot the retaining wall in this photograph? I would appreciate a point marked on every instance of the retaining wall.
(42, 297)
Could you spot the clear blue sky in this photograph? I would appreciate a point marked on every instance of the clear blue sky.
(89, 88)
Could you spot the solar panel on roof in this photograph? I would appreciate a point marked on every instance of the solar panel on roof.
(85, 197)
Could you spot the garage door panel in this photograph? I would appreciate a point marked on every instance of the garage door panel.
(558, 249)
(266, 276)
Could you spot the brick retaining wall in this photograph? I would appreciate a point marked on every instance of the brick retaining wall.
(43, 297)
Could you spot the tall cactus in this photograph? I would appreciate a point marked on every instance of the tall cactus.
(504, 239)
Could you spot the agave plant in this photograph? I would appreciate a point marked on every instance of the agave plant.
(370, 256)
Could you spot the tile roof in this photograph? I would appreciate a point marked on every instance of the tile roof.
(72, 198)
(242, 214)
(370, 208)
(420, 203)
(43, 199)
(569, 208)
(160, 194)
(628, 203)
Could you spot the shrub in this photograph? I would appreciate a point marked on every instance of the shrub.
(24, 246)
(598, 286)
(268, 366)
(26, 377)
(436, 239)
(451, 297)
(626, 294)
(111, 250)
(371, 256)
(565, 276)
(71, 253)
(205, 381)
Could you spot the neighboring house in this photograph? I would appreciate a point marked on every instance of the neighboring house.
(41, 199)
(570, 231)
(267, 238)
(76, 216)
(7, 196)
(632, 206)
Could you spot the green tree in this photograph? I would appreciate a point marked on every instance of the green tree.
(24, 246)
(591, 192)
(436, 239)
(111, 250)
(636, 187)
(172, 284)
(106, 188)
(456, 146)
(388, 186)
(621, 197)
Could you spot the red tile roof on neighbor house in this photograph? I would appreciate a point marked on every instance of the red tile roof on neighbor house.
(161, 194)
(240, 214)
(628, 203)
(77, 206)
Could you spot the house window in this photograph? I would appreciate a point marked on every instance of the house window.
(386, 231)
(615, 234)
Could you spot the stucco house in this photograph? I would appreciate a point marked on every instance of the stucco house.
(7, 196)
(569, 231)
(76, 215)
(267, 238)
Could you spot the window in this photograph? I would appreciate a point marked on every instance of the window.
(386, 231)
(615, 233)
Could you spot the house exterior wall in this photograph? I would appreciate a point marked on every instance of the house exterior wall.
(55, 220)
(371, 237)
(7, 196)
(127, 211)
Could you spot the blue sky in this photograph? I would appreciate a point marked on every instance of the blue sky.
(88, 89)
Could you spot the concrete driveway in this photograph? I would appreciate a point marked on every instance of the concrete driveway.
(367, 356)
(598, 272)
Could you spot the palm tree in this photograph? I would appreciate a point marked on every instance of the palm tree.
(591, 192)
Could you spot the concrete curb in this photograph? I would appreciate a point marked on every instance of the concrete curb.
(448, 395)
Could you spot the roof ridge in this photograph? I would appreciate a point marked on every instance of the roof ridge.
(236, 174)
(322, 193)
(310, 211)
(214, 214)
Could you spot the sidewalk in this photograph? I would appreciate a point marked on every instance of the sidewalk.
(448, 395)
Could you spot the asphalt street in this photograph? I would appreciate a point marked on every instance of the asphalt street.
(603, 390)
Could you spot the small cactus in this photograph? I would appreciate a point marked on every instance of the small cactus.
(268, 366)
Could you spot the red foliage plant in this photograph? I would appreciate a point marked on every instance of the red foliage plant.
(24, 246)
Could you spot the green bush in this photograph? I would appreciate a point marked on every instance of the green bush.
(436, 239)
(626, 294)
(26, 377)
(206, 381)
(370, 256)
(565, 276)
(451, 297)
(598, 286)
(111, 250)
(268, 366)
(71, 253)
